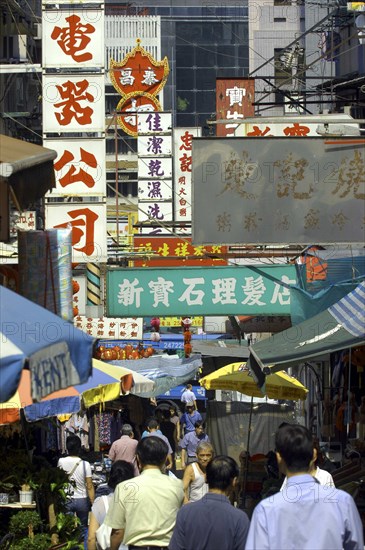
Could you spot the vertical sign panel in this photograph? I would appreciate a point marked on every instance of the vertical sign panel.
(234, 100)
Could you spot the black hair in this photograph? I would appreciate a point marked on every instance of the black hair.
(152, 424)
(166, 414)
(121, 470)
(73, 445)
(199, 424)
(221, 471)
(152, 450)
(294, 443)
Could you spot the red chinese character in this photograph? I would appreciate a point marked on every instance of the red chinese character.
(87, 222)
(72, 175)
(112, 325)
(182, 213)
(73, 39)
(187, 140)
(100, 333)
(185, 163)
(122, 333)
(134, 334)
(182, 180)
(297, 130)
(73, 93)
(111, 333)
(182, 192)
(257, 132)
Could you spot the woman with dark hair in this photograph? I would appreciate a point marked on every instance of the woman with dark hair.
(121, 470)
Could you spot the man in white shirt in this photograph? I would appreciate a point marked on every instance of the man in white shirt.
(188, 396)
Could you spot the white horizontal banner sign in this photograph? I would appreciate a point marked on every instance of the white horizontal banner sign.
(79, 167)
(155, 211)
(154, 190)
(154, 167)
(111, 327)
(154, 123)
(154, 145)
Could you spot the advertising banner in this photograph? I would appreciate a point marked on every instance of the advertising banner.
(210, 291)
(234, 100)
(278, 190)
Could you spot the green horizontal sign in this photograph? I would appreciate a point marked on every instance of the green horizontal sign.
(249, 290)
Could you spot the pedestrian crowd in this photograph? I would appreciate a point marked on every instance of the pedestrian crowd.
(149, 508)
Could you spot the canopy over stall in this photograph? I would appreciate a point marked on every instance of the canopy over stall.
(27, 169)
(57, 354)
(339, 327)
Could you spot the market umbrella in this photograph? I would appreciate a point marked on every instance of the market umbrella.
(237, 377)
(107, 382)
(57, 354)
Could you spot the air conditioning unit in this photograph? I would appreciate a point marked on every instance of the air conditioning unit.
(37, 31)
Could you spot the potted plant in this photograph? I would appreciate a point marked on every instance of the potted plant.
(6, 488)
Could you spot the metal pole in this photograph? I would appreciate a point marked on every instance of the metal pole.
(247, 456)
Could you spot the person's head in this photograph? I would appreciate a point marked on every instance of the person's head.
(204, 453)
(222, 473)
(294, 448)
(127, 430)
(151, 451)
(199, 428)
(189, 408)
(166, 415)
(172, 411)
(121, 470)
(73, 445)
(189, 387)
(152, 424)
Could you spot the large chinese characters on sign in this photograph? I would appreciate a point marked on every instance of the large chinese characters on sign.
(74, 103)
(279, 190)
(200, 291)
(234, 100)
(138, 79)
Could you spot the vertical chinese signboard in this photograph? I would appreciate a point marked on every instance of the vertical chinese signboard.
(74, 122)
(154, 171)
(183, 142)
(234, 100)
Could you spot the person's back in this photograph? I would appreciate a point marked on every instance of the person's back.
(305, 514)
(212, 523)
(144, 509)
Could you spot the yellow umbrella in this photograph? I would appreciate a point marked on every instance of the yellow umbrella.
(236, 377)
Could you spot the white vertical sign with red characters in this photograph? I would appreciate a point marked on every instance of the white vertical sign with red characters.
(74, 102)
(88, 223)
(183, 139)
(79, 167)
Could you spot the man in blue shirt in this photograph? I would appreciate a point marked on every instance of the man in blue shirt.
(212, 523)
(190, 443)
(188, 419)
(305, 515)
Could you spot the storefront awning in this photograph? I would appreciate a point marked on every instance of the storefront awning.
(27, 168)
(339, 327)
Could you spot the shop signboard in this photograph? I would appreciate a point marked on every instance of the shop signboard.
(200, 291)
(234, 100)
(74, 37)
(184, 251)
(79, 167)
(183, 141)
(110, 328)
(88, 223)
(278, 190)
